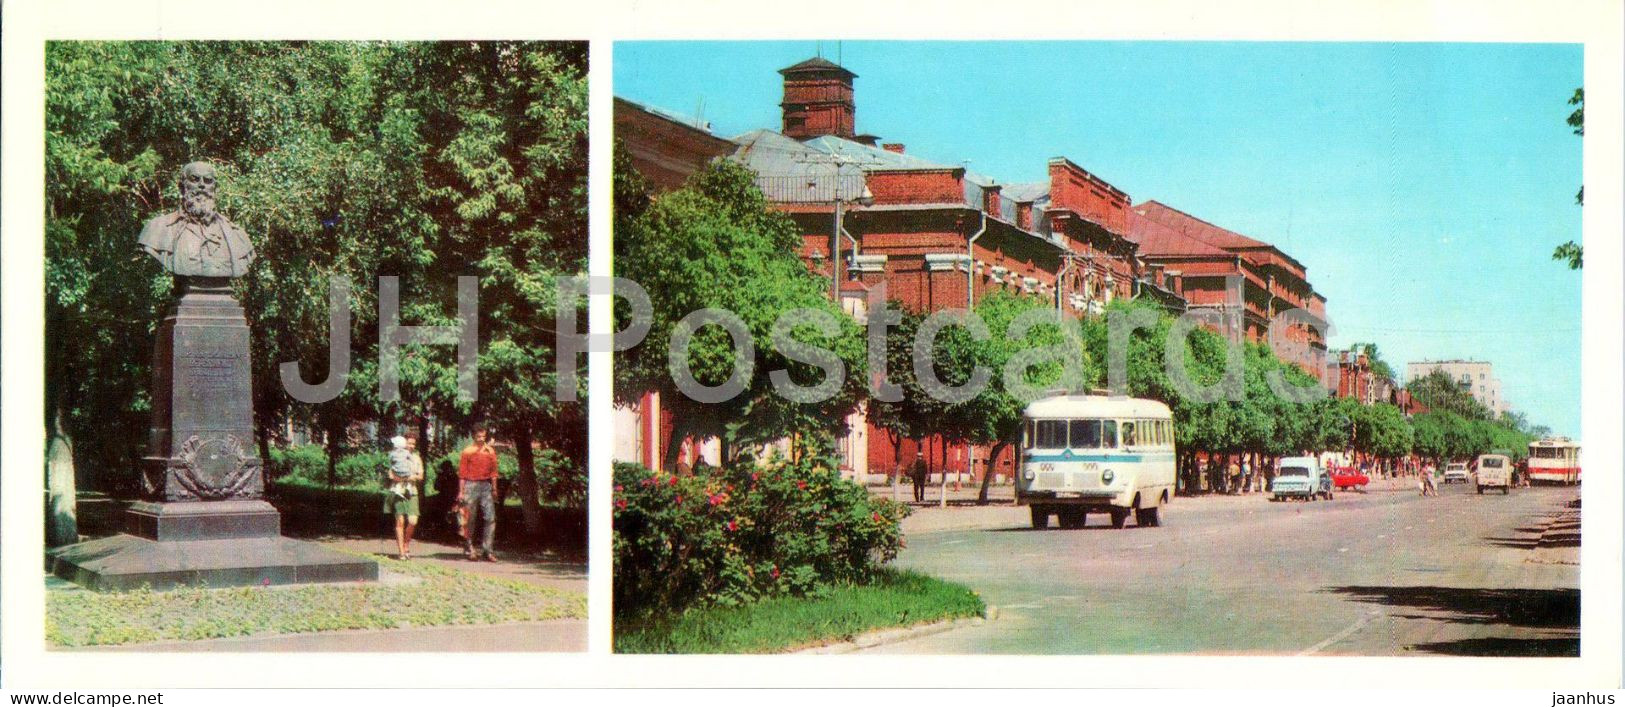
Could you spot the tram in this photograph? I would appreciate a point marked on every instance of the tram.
(1554, 460)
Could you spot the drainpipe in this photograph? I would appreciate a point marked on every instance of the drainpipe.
(970, 265)
(970, 304)
(1060, 280)
(835, 253)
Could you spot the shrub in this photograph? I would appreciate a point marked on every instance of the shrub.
(306, 462)
(728, 536)
(561, 480)
(363, 469)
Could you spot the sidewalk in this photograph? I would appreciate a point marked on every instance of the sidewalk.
(545, 570)
(541, 569)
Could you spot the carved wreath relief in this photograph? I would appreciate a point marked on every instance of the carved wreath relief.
(213, 469)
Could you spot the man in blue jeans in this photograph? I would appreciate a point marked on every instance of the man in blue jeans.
(477, 476)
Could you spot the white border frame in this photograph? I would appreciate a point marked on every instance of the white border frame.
(1596, 23)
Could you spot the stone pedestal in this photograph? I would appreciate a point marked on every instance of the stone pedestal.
(201, 443)
(204, 520)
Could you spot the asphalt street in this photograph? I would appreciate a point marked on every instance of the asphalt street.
(1386, 572)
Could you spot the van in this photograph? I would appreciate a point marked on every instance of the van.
(1494, 471)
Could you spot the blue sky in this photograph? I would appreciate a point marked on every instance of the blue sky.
(1423, 185)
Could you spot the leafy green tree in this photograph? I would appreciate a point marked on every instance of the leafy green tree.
(1379, 367)
(1438, 391)
(1571, 252)
(914, 414)
(716, 244)
(994, 416)
(424, 161)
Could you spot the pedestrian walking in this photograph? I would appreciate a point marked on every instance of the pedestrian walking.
(1246, 476)
(917, 473)
(401, 497)
(477, 475)
(444, 509)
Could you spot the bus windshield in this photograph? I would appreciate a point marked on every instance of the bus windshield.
(1074, 434)
(1085, 434)
(1490, 463)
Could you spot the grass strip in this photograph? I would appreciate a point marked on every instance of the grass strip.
(838, 613)
(444, 597)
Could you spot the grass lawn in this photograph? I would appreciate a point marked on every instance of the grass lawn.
(444, 597)
(893, 599)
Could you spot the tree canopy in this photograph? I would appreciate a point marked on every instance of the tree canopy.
(425, 161)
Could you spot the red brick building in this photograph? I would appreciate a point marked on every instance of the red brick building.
(1244, 283)
(1354, 378)
(665, 147)
(938, 236)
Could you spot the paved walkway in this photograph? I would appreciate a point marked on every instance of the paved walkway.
(542, 569)
(546, 570)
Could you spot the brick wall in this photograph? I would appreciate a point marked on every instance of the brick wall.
(1074, 189)
(936, 186)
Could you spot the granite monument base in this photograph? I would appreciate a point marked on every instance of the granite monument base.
(124, 562)
(203, 543)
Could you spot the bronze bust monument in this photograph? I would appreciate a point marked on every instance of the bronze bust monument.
(196, 240)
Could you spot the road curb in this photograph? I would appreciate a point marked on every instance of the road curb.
(883, 637)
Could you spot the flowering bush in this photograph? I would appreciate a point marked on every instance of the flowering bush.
(734, 535)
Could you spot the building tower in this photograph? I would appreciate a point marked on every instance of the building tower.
(818, 100)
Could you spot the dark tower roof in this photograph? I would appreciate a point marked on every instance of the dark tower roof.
(816, 64)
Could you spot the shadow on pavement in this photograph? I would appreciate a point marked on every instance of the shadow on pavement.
(1506, 647)
(1523, 608)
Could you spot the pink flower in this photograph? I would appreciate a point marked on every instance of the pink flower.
(679, 500)
(753, 477)
(620, 503)
(775, 572)
(673, 481)
(732, 526)
(619, 488)
(877, 516)
(801, 485)
(716, 499)
(266, 582)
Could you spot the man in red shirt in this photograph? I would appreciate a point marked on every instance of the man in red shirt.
(476, 490)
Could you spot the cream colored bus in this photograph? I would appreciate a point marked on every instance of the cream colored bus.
(1083, 454)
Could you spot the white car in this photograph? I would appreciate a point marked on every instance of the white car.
(1456, 472)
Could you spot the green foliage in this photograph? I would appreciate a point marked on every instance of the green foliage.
(840, 612)
(733, 535)
(1438, 391)
(306, 463)
(1571, 252)
(1379, 367)
(717, 244)
(1443, 435)
(363, 469)
(424, 161)
(439, 597)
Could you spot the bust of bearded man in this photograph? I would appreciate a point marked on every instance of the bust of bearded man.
(196, 241)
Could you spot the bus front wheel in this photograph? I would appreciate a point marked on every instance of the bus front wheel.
(1119, 517)
(1040, 517)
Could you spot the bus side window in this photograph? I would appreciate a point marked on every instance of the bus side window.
(1128, 434)
(1108, 434)
(1085, 434)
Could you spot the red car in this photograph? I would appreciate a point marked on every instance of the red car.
(1348, 477)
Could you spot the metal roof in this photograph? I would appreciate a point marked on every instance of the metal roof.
(1068, 406)
(816, 63)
